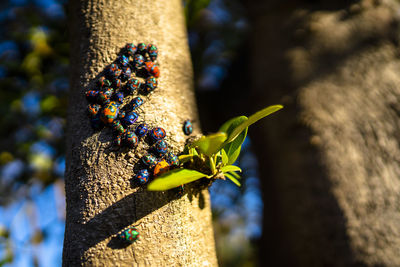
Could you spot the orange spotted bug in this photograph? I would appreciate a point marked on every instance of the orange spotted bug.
(161, 168)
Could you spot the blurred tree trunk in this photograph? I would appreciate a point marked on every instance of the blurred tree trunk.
(330, 159)
(101, 199)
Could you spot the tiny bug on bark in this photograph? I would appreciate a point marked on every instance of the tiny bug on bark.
(130, 234)
(187, 127)
(143, 176)
(157, 133)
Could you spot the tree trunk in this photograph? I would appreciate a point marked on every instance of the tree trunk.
(330, 159)
(101, 198)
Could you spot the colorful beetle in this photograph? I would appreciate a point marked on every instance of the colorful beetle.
(117, 84)
(130, 118)
(103, 97)
(130, 235)
(130, 49)
(149, 160)
(126, 73)
(103, 82)
(114, 71)
(93, 109)
(143, 176)
(153, 52)
(131, 139)
(91, 95)
(187, 127)
(172, 159)
(152, 68)
(109, 113)
(121, 114)
(157, 133)
(160, 147)
(119, 97)
(117, 140)
(123, 60)
(151, 84)
(136, 102)
(160, 168)
(132, 85)
(138, 60)
(117, 127)
(141, 130)
(141, 48)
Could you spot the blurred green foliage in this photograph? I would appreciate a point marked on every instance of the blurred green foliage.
(34, 58)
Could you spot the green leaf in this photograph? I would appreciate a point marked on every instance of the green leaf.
(233, 179)
(252, 119)
(210, 144)
(233, 156)
(174, 179)
(224, 157)
(231, 124)
(232, 149)
(193, 152)
(231, 168)
(185, 158)
(237, 176)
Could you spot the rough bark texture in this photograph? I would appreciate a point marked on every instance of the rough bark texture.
(331, 157)
(101, 198)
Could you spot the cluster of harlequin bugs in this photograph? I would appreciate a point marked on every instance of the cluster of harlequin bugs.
(158, 160)
(135, 71)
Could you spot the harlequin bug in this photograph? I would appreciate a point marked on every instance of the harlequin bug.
(129, 235)
(157, 133)
(109, 113)
(130, 49)
(152, 68)
(132, 85)
(117, 127)
(141, 48)
(161, 168)
(149, 160)
(123, 60)
(172, 159)
(126, 73)
(187, 127)
(117, 140)
(93, 109)
(160, 147)
(103, 82)
(138, 60)
(119, 97)
(151, 84)
(131, 139)
(117, 84)
(141, 130)
(130, 118)
(114, 71)
(153, 52)
(104, 97)
(136, 102)
(121, 114)
(143, 176)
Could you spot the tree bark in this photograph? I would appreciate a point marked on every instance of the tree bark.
(101, 198)
(330, 159)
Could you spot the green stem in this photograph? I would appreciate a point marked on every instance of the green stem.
(212, 165)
